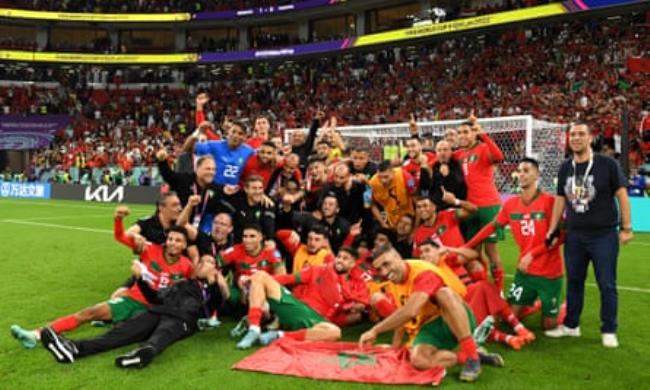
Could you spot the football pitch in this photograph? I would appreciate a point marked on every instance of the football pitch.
(58, 257)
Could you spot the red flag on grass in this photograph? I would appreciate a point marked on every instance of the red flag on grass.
(340, 362)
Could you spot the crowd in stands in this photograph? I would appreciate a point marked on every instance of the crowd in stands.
(562, 73)
(209, 44)
(9, 43)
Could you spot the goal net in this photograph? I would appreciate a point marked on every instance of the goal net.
(517, 136)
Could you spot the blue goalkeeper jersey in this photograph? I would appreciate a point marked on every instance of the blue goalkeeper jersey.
(230, 162)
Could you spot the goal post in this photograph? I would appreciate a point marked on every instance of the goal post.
(517, 136)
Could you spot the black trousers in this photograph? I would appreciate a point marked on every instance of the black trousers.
(152, 329)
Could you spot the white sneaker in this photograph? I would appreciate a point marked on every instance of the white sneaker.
(610, 340)
(563, 331)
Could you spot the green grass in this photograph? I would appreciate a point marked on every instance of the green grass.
(48, 271)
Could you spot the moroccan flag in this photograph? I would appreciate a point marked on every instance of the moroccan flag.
(339, 361)
(638, 65)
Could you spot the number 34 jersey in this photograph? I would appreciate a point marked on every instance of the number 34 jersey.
(529, 225)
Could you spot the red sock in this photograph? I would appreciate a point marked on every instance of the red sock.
(478, 275)
(467, 350)
(254, 316)
(509, 317)
(65, 324)
(529, 310)
(298, 335)
(499, 336)
(385, 307)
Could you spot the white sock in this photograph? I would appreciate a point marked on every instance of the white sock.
(255, 328)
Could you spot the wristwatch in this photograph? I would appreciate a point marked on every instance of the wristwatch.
(626, 228)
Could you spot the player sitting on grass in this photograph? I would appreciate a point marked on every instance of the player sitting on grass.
(433, 304)
(326, 296)
(174, 315)
(482, 297)
(162, 265)
(249, 257)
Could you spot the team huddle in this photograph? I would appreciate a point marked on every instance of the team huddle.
(302, 240)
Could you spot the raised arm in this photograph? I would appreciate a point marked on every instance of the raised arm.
(496, 155)
(166, 172)
(466, 208)
(186, 214)
(118, 229)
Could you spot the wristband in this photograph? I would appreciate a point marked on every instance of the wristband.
(457, 202)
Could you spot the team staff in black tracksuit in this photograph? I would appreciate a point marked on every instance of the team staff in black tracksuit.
(338, 228)
(303, 147)
(252, 206)
(174, 316)
(196, 183)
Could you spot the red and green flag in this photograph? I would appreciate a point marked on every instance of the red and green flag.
(339, 361)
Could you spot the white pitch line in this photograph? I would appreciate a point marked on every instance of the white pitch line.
(56, 226)
(85, 229)
(624, 288)
(108, 216)
(76, 206)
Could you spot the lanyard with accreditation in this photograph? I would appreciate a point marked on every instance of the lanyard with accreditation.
(580, 203)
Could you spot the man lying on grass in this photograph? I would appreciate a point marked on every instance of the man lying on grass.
(175, 315)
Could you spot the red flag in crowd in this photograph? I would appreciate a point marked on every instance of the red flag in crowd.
(638, 65)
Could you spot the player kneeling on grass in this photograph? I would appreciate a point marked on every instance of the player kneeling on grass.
(162, 265)
(433, 302)
(324, 296)
(539, 269)
(482, 297)
(175, 315)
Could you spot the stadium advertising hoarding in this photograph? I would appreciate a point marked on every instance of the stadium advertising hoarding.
(263, 11)
(106, 193)
(30, 132)
(162, 17)
(584, 5)
(17, 55)
(93, 17)
(25, 190)
(461, 24)
(466, 24)
(572, 5)
(248, 55)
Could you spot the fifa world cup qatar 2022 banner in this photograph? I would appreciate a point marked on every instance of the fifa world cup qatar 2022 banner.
(19, 132)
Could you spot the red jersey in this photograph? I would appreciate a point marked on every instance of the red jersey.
(163, 273)
(267, 260)
(255, 142)
(327, 292)
(479, 175)
(446, 230)
(413, 167)
(255, 167)
(529, 225)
